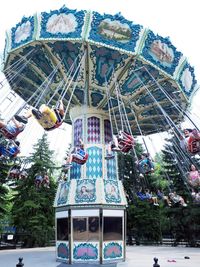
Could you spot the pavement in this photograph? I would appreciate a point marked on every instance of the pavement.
(137, 256)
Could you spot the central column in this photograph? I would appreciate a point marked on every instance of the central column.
(90, 205)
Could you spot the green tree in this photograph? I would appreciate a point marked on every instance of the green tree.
(143, 220)
(32, 211)
(4, 168)
(184, 221)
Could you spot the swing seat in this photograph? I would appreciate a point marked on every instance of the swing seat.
(193, 145)
(141, 196)
(80, 161)
(125, 147)
(126, 138)
(144, 167)
(23, 175)
(9, 135)
(48, 118)
(14, 174)
(126, 142)
(10, 152)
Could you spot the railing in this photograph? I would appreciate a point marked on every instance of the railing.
(165, 242)
(10, 241)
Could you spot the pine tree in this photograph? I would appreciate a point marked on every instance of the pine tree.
(32, 212)
(4, 168)
(128, 173)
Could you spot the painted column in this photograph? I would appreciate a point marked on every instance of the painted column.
(93, 196)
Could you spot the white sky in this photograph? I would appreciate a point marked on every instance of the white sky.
(177, 19)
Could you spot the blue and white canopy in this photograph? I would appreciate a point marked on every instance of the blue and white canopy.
(152, 76)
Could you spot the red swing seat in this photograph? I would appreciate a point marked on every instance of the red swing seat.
(9, 135)
(80, 161)
(193, 145)
(14, 174)
(127, 143)
(124, 147)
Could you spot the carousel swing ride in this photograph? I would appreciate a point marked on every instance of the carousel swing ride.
(111, 76)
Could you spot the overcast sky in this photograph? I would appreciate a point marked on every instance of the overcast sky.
(178, 20)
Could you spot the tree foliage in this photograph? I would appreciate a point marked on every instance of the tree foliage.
(143, 218)
(184, 221)
(147, 222)
(4, 169)
(32, 211)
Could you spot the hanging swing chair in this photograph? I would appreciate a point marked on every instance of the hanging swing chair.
(193, 143)
(79, 160)
(9, 135)
(125, 142)
(47, 118)
(145, 166)
(9, 149)
(23, 175)
(14, 172)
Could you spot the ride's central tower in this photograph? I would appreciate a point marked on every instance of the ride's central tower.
(91, 204)
(63, 53)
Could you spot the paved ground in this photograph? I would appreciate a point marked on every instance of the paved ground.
(141, 256)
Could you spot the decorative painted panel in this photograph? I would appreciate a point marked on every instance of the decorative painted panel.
(86, 251)
(63, 191)
(112, 250)
(85, 191)
(62, 23)
(93, 130)
(40, 59)
(62, 250)
(23, 32)
(161, 52)
(144, 99)
(137, 75)
(75, 171)
(111, 169)
(114, 31)
(94, 163)
(187, 79)
(111, 190)
(107, 132)
(105, 62)
(155, 111)
(28, 71)
(96, 97)
(69, 55)
(79, 94)
(113, 103)
(78, 131)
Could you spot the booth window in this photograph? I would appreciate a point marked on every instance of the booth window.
(62, 229)
(86, 229)
(112, 228)
(93, 228)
